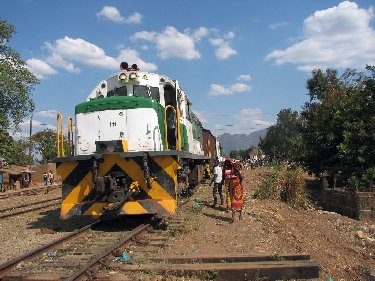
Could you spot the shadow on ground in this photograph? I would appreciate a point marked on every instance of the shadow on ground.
(219, 217)
(50, 220)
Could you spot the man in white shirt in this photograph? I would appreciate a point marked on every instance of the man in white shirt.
(218, 183)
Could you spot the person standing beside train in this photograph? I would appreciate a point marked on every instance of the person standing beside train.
(45, 179)
(233, 183)
(217, 180)
(51, 177)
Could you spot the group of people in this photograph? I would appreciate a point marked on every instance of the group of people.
(48, 178)
(230, 177)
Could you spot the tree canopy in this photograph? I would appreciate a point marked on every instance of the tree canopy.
(16, 84)
(283, 140)
(44, 143)
(339, 131)
(334, 134)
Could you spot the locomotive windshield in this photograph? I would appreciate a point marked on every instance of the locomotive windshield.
(145, 91)
(122, 91)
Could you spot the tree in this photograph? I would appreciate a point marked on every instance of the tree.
(283, 140)
(16, 84)
(16, 152)
(339, 131)
(44, 143)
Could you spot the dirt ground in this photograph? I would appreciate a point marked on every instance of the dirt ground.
(344, 248)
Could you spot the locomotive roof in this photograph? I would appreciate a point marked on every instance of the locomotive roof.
(129, 77)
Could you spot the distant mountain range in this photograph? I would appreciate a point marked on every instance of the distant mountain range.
(240, 141)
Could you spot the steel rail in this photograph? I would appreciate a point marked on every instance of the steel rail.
(34, 190)
(27, 211)
(27, 205)
(5, 267)
(118, 244)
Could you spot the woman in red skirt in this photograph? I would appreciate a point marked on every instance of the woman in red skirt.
(233, 182)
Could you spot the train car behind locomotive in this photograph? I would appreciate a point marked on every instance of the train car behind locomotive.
(137, 145)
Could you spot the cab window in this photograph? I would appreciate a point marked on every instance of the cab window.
(122, 91)
(147, 92)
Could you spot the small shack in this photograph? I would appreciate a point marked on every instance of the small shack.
(13, 177)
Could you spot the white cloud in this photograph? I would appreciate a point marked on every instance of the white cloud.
(135, 18)
(79, 50)
(67, 51)
(223, 50)
(40, 68)
(46, 113)
(171, 43)
(240, 88)
(251, 119)
(202, 116)
(246, 121)
(278, 25)
(39, 126)
(230, 35)
(111, 13)
(18, 135)
(244, 77)
(24, 132)
(338, 37)
(145, 35)
(200, 33)
(220, 90)
(56, 60)
(132, 56)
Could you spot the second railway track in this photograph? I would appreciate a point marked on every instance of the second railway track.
(26, 208)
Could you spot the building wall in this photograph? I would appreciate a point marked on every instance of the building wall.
(354, 204)
(37, 177)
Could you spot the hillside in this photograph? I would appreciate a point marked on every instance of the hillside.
(240, 141)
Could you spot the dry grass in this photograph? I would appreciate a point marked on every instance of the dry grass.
(287, 185)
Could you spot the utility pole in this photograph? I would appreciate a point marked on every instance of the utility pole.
(30, 142)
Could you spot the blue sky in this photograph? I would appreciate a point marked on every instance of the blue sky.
(239, 61)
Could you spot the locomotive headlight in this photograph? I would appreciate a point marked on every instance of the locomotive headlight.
(110, 148)
(133, 76)
(122, 77)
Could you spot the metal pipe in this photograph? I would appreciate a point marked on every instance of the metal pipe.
(60, 135)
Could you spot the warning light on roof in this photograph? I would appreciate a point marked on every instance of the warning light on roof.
(133, 76)
(122, 77)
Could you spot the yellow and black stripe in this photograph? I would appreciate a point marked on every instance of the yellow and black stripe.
(81, 198)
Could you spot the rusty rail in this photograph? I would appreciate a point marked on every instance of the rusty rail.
(107, 252)
(5, 267)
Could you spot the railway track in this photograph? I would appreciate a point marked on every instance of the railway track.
(26, 208)
(127, 250)
(98, 252)
(71, 256)
(26, 192)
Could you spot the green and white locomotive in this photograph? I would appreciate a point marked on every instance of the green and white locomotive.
(137, 145)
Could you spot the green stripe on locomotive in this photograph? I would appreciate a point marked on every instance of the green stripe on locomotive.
(184, 138)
